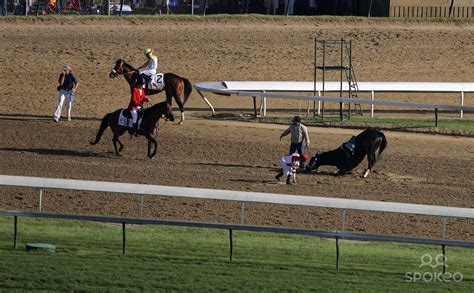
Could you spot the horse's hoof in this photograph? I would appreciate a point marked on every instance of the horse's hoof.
(180, 122)
(152, 158)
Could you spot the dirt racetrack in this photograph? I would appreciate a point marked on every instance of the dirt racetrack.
(417, 168)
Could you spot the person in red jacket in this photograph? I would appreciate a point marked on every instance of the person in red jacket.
(137, 98)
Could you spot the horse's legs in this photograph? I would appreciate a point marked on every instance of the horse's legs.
(371, 158)
(179, 101)
(121, 145)
(151, 140)
(115, 140)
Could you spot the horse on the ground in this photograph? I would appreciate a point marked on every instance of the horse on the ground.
(148, 126)
(175, 86)
(351, 154)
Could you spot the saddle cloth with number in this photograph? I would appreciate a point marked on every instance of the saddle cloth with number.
(157, 82)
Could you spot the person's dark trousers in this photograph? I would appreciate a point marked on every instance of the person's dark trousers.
(296, 147)
(4, 7)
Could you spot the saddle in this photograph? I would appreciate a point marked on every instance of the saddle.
(349, 146)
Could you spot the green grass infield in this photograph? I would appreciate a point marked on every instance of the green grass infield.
(89, 257)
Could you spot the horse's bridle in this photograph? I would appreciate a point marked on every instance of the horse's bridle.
(116, 73)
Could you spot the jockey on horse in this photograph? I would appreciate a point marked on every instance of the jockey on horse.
(148, 70)
(137, 98)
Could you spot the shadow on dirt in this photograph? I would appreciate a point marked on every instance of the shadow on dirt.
(56, 152)
(230, 165)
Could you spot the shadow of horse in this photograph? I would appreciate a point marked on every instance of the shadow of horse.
(56, 152)
(33, 117)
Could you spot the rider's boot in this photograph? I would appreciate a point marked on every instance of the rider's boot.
(135, 129)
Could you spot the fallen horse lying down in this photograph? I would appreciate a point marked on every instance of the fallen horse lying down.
(351, 153)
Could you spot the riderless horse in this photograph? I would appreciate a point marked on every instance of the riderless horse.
(148, 126)
(175, 86)
(351, 153)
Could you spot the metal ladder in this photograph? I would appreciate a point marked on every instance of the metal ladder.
(354, 91)
(353, 88)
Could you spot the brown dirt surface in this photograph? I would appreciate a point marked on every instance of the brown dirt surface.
(417, 168)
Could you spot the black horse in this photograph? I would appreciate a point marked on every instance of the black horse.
(148, 127)
(351, 154)
(176, 87)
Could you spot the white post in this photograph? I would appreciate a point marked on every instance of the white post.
(372, 107)
(319, 103)
(242, 212)
(443, 228)
(462, 104)
(192, 7)
(207, 102)
(108, 7)
(40, 198)
(264, 106)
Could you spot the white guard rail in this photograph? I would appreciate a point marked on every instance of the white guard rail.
(239, 196)
(266, 89)
(337, 203)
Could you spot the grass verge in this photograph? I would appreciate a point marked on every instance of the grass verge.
(88, 257)
(461, 127)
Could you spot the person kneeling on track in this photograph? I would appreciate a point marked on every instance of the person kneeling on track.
(289, 165)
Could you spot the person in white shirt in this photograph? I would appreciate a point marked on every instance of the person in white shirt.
(149, 68)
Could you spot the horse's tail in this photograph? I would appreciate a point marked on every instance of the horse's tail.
(103, 126)
(188, 88)
(383, 145)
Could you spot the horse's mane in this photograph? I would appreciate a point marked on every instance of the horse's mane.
(126, 64)
(156, 106)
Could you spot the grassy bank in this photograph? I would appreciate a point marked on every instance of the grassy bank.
(462, 127)
(88, 257)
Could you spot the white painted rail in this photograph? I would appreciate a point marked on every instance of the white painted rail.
(344, 204)
(271, 88)
(239, 196)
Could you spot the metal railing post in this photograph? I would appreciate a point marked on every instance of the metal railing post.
(242, 212)
(443, 249)
(231, 245)
(462, 104)
(337, 253)
(15, 231)
(123, 238)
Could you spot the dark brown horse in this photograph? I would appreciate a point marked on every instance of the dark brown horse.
(148, 127)
(351, 154)
(175, 86)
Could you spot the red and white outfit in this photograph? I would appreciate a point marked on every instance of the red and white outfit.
(290, 164)
(137, 98)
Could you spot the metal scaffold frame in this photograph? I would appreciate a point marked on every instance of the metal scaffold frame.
(342, 67)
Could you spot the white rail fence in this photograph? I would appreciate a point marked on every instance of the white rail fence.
(243, 197)
(270, 89)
